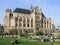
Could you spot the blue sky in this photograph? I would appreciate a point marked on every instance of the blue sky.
(50, 8)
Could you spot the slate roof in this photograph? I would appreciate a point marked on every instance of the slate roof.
(43, 15)
(20, 10)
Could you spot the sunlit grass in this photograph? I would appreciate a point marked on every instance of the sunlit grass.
(8, 41)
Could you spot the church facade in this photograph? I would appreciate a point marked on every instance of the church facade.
(32, 20)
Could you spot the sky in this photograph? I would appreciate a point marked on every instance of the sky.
(50, 8)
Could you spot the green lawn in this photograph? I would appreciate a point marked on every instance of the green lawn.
(58, 35)
(8, 41)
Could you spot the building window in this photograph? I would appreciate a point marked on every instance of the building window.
(11, 15)
(31, 22)
(24, 25)
(16, 24)
(45, 25)
(32, 25)
(42, 26)
(27, 19)
(45, 21)
(16, 19)
(41, 21)
(27, 25)
(20, 19)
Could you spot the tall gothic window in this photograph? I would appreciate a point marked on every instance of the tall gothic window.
(27, 25)
(27, 19)
(31, 22)
(24, 25)
(16, 19)
(11, 15)
(16, 24)
(20, 19)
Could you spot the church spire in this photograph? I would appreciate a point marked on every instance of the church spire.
(31, 8)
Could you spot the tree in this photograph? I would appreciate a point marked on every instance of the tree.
(39, 33)
(22, 34)
(11, 31)
(25, 34)
(1, 33)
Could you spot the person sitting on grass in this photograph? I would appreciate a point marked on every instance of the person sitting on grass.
(15, 42)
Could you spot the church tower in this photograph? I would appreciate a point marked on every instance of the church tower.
(7, 19)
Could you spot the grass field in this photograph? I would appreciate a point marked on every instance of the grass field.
(8, 41)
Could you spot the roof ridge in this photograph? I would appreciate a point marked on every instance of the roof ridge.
(21, 10)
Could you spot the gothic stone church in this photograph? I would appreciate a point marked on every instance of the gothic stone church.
(31, 20)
